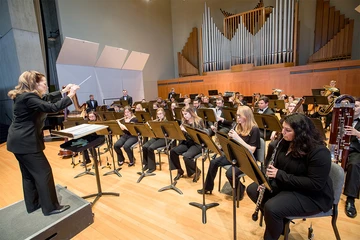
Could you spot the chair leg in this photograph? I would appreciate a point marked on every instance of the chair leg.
(219, 178)
(286, 230)
(333, 222)
(261, 219)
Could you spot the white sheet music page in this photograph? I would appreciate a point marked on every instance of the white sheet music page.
(80, 130)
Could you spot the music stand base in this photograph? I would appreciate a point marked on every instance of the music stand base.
(98, 195)
(204, 207)
(87, 171)
(143, 174)
(170, 187)
(115, 171)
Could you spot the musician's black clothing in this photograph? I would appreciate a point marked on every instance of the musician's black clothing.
(128, 99)
(302, 187)
(91, 105)
(149, 152)
(26, 141)
(352, 180)
(268, 132)
(126, 141)
(223, 127)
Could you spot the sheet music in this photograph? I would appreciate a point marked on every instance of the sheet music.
(80, 130)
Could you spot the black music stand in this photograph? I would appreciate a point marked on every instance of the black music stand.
(316, 100)
(272, 96)
(208, 114)
(267, 122)
(93, 141)
(143, 116)
(168, 130)
(241, 157)
(248, 99)
(140, 130)
(114, 130)
(168, 115)
(229, 114)
(276, 104)
(317, 91)
(203, 139)
(319, 126)
(124, 103)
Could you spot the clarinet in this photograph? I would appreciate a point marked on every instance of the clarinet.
(255, 215)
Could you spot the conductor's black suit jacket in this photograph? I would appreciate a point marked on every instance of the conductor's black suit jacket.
(30, 111)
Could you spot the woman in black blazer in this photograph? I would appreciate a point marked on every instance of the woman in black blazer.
(299, 176)
(26, 139)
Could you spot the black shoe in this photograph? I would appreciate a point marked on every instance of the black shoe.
(87, 162)
(59, 210)
(179, 175)
(131, 164)
(145, 168)
(350, 209)
(197, 176)
(242, 191)
(213, 156)
(200, 191)
(150, 171)
(120, 163)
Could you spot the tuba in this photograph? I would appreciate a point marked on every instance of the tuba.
(343, 115)
(329, 91)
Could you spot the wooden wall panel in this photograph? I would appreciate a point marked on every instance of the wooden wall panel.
(297, 80)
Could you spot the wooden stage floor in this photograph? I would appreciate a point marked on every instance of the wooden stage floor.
(141, 212)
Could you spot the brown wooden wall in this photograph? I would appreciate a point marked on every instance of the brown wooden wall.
(297, 80)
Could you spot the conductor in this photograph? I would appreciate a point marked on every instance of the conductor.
(25, 138)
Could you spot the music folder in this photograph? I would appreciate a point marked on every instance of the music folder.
(79, 131)
(245, 159)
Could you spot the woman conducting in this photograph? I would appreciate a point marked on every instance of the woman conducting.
(299, 176)
(126, 140)
(187, 148)
(150, 146)
(247, 133)
(25, 138)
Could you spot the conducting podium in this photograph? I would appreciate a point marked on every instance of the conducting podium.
(203, 139)
(168, 130)
(140, 130)
(84, 139)
(239, 156)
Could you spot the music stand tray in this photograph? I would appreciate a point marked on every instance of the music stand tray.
(208, 114)
(142, 116)
(168, 130)
(178, 115)
(275, 103)
(230, 114)
(316, 100)
(203, 139)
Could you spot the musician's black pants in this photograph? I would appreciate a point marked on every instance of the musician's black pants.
(38, 182)
(276, 207)
(188, 149)
(352, 180)
(125, 141)
(149, 152)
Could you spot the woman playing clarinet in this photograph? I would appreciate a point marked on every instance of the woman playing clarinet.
(126, 140)
(299, 176)
(187, 148)
(154, 143)
(26, 139)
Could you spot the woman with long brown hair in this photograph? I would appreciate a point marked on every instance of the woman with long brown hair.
(187, 148)
(126, 140)
(26, 139)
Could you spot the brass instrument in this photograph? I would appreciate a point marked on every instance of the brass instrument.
(329, 91)
(255, 215)
(339, 142)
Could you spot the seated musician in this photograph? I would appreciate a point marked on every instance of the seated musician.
(206, 102)
(151, 145)
(263, 105)
(187, 148)
(91, 104)
(352, 183)
(196, 104)
(247, 134)
(126, 140)
(139, 108)
(299, 175)
(223, 125)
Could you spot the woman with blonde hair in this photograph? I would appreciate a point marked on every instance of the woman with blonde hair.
(187, 148)
(246, 132)
(26, 139)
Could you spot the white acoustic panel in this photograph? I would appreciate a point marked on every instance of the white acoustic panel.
(136, 61)
(112, 57)
(78, 52)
